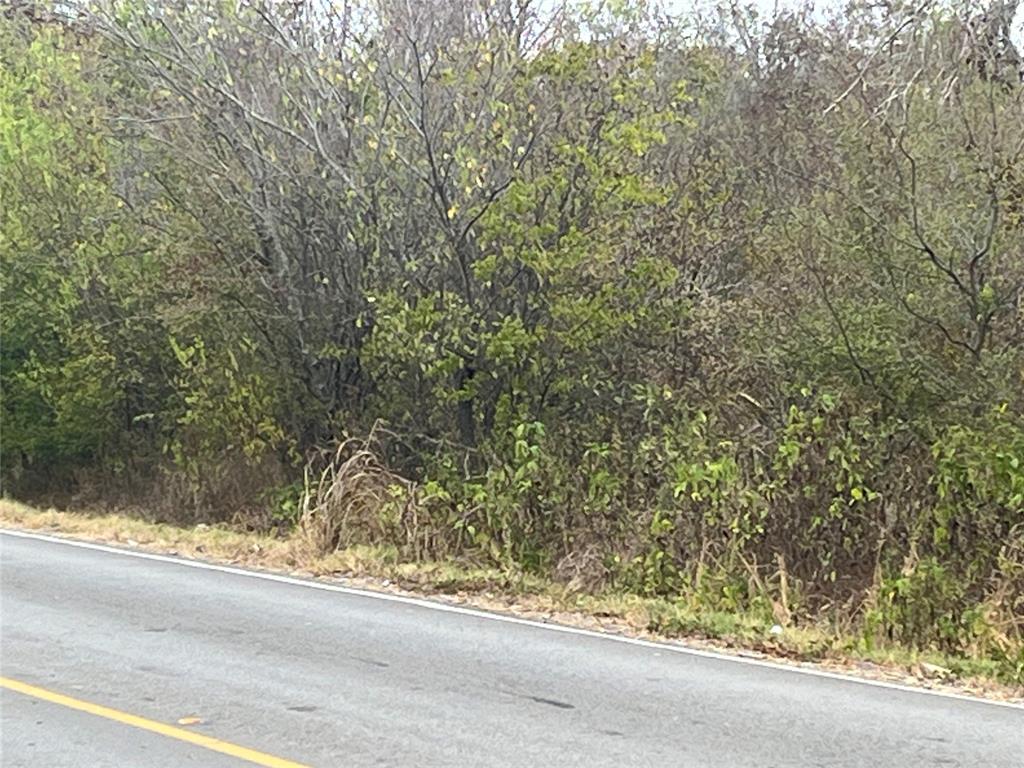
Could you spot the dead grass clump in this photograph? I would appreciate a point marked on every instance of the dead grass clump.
(583, 569)
(353, 498)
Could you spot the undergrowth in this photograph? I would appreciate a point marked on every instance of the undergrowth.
(829, 642)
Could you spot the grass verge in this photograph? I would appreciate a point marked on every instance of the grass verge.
(379, 568)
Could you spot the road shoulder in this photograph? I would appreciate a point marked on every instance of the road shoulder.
(475, 588)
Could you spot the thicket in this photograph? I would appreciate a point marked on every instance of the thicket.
(723, 308)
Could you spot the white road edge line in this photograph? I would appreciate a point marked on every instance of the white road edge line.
(480, 614)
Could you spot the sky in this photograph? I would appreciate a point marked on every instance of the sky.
(769, 6)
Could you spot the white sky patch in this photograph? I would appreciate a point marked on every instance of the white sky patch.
(770, 7)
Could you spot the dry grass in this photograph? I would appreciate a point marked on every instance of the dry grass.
(354, 499)
(382, 568)
(201, 541)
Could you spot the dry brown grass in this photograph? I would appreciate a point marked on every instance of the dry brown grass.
(201, 541)
(355, 500)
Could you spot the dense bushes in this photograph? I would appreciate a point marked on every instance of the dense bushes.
(734, 318)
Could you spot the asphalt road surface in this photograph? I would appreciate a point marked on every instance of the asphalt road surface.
(102, 653)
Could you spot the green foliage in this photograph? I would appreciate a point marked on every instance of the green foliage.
(641, 307)
(73, 361)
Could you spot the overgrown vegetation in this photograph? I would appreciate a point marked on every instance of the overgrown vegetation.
(381, 567)
(721, 311)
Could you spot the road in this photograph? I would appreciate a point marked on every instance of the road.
(290, 673)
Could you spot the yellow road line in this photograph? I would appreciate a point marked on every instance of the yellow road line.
(198, 739)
